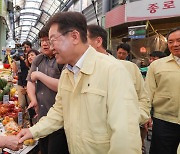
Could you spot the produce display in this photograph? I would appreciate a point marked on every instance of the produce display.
(12, 117)
(12, 128)
(4, 88)
(29, 142)
(3, 83)
(10, 110)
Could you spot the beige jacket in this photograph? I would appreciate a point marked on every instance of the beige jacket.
(100, 112)
(144, 102)
(163, 85)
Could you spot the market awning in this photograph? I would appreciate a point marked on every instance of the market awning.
(32, 15)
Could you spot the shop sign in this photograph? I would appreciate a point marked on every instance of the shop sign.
(137, 32)
(154, 9)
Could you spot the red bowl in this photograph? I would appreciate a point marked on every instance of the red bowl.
(6, 65)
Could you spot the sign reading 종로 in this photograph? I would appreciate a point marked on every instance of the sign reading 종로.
(153, 9)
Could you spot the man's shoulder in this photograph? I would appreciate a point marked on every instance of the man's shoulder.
(109, 62)
(128, 63)
(164, 59)
(38, 59)
(106, 60)
(130, 66)
(160, 62)
(100, 60)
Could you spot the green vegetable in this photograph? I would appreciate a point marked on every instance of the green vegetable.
(4, 88)
(1, 96)
(3, 83)
(7, 88)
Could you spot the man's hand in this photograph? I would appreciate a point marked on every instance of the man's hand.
(21, 58)
(23, 135)
(148, 124)
(12, 142)
(36, 76)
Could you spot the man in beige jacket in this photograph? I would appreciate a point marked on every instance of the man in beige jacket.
(97, 38)
(95, 99)
(163, 85)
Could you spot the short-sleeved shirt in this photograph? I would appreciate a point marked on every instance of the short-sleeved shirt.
(44, 95)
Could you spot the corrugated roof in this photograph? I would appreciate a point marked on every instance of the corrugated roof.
(33, 16)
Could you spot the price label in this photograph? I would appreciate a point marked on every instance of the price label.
(20, 118)
(5, 99)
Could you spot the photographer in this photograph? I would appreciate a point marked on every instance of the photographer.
(20, 68)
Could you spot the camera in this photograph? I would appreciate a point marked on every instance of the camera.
(17, 54)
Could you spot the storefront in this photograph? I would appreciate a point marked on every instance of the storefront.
(157, 16)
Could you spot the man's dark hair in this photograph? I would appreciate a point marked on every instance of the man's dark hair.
(68, 21)
(97, 31)
(158, 54)
(27, 43)
(124, 46)
(44, 32)
(172, 31)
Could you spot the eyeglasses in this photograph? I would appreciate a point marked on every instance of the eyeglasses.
(52, 40)
(45, 40)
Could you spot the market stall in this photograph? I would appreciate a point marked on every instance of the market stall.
(12, 116)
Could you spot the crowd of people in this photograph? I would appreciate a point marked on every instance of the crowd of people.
(87, 101)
